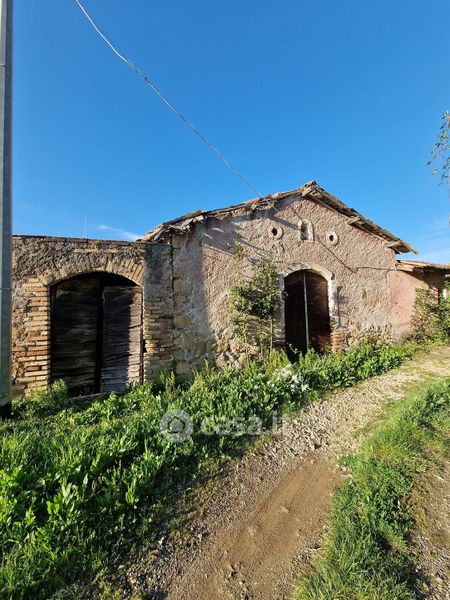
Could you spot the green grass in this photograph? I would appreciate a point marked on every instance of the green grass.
(368, 555)
(81, 484)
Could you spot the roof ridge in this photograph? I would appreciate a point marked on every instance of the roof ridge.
(309, 189)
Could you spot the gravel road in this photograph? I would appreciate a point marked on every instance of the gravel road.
(261, 524)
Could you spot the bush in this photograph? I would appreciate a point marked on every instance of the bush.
(253, 303)
(82, 483)
(431, 319)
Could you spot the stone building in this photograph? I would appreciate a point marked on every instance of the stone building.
(99, 314)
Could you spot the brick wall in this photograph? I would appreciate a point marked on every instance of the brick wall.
(39, 262)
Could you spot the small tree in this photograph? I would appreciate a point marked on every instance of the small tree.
(440, 154)
(253, 304)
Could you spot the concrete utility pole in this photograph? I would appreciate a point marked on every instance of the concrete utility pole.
(6, 14)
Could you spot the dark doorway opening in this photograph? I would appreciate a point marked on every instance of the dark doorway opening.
(96, 333)
(307, 317)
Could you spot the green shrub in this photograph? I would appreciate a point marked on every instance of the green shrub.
(46, 401)
(253, 304)
(431, 318)
(82, 483)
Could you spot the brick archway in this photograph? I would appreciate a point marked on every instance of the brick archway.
(133, 272)
(41, 262)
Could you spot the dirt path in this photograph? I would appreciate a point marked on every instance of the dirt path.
(242, 560)
(263, 522)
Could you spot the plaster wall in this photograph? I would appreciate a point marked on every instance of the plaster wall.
(403, 288)
(356, 265)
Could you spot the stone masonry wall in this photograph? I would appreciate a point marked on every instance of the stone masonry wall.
(39, 262)
(356, 265)
(186, 283)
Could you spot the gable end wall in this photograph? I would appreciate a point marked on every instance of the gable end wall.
(205, 269)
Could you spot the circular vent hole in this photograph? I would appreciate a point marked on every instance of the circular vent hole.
(275, 232)
(332, 238)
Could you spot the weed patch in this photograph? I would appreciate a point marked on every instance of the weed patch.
(83, 483)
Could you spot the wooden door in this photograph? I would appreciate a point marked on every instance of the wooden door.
(307, 319)
(96, 333)
(318, 311)
(74, 334)
(294, 314)
(122, 337)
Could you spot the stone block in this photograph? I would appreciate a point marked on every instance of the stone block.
(182, 321)
(200, 349)
(179, 286)
(180, 300)
(182, 368)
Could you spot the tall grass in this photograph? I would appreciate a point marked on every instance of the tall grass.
(368, 554)
(82, 483)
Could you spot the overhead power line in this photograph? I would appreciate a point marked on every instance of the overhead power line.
(157, 91)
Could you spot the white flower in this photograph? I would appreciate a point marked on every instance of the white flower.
(286, 378)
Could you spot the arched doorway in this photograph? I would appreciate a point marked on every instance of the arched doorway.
(96, 333)
(307, 317)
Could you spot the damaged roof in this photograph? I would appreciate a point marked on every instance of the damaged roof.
(418, 265)
(310, 190)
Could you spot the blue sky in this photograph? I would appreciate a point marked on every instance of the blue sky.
(349, 93)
